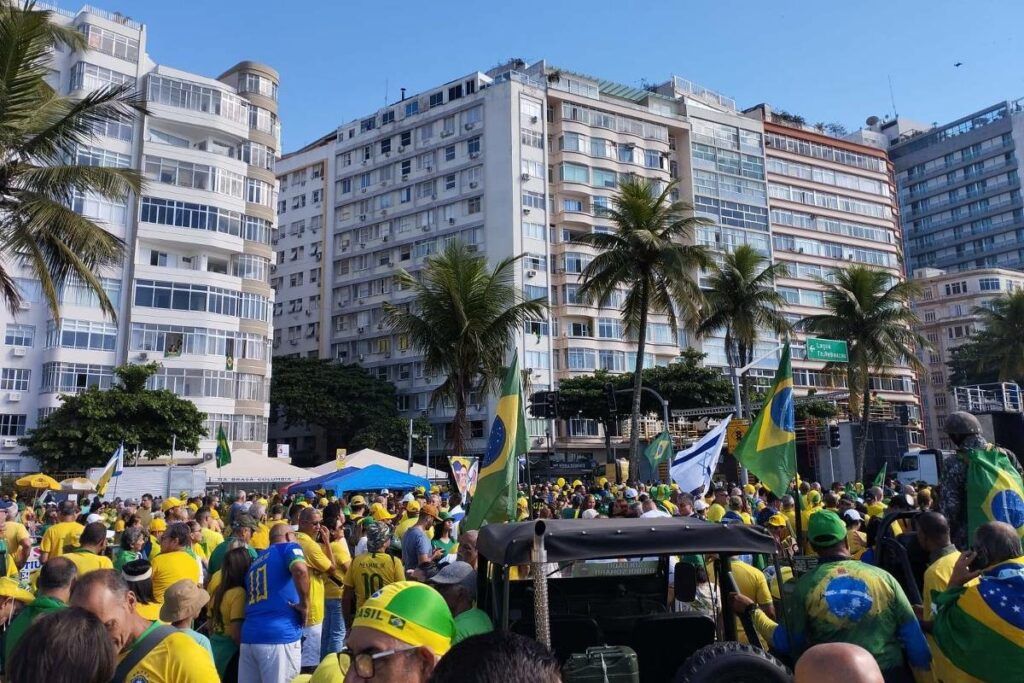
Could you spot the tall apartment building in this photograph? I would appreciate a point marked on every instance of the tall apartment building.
(959, 189)
(833, 204)
(946, 309)
(518, 161)
(193, 292)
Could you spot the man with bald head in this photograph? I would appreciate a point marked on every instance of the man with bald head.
(844, 662)
(315, 541)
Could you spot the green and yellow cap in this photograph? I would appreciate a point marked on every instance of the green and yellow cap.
(411, 612)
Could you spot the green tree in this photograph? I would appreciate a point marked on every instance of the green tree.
(88, 427)
(1000, 345)
(647, 258)
(871, 312)
(971, 363)
(353, 408)
(463, 318)
(40, 132)
(741, 300)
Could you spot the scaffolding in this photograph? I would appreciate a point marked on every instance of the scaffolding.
(999, 397)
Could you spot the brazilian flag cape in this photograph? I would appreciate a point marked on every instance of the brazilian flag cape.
(495, 499)
(995, 492)
(769, 447)
(980, 629)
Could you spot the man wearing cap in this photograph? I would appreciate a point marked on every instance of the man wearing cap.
(53, 590)
(62, 536)
(147, 650)
(456, 582)
(856, 539)
(174, 510)
(416, 547)
(843, 600)
(315, 541)
(412, 515)
(242, 528)
(370, 571)
(398, 636)
(89, 556)
(277, 592)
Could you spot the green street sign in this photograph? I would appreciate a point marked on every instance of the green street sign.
(828, 350)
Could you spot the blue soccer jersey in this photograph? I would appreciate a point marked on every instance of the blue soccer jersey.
(270, 592)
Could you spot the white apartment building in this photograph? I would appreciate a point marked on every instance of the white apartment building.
(946, 310)
(193, 292)
(518, 161)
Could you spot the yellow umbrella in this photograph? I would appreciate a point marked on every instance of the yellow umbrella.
(78, 485)
(38, 481)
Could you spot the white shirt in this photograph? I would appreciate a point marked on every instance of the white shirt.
(654, 513)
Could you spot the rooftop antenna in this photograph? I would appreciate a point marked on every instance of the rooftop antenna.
(892, 98)
(403, 94)
(385, 92)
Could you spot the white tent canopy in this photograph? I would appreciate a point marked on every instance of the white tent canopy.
(256, 468)
(368, 456)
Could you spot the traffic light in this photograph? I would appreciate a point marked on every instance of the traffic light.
(551, 407)
(609, 395)
(833, 436)
(538, 404)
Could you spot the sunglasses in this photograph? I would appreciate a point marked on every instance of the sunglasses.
(364, 663)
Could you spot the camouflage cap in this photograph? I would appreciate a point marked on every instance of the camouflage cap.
(377, 536)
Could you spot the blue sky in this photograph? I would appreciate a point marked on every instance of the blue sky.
(826, 60)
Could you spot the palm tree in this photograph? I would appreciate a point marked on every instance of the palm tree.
(463, 318)
(872, 314)
(1001, 346)
(740, 298)
(647, 258)
(40, 132)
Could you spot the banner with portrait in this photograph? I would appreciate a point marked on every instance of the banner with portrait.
(466, 470)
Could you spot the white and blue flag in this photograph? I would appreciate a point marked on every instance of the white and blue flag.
(692, 468)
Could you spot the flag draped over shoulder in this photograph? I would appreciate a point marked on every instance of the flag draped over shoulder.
(995, 492)
(495, 499)
(659, 449)
(112, 469)
(769, 448)
(223, 454)
(980, 629)
(692, 467)
(880, 477)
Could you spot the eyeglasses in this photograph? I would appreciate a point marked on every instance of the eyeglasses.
(364, 663)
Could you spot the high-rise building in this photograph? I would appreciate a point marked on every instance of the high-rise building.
(193, 292)
(518, 161)
(959, 189)
(946, 310)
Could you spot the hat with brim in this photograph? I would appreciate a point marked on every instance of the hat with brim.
(245, 521)
(183, 600)
(429, 510)
(776, 520)
(825, 529)
(170, 503)
(411, 612)
(380, 513)
(9, 588)
(158, 525)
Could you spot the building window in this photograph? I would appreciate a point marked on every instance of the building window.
(954, 288)
(436, 99)
(19, 335)
(12, 425)
(989, 284)
(15, 379)
(473, 145)
(473, 205)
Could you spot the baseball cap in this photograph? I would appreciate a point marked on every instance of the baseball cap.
(411, 612)
(158, 524)
(429, 509)
(357, 500)
(777, 520)
(9, 588)
(589, 514)
(93, 518)
(408, 498)
(380, 513)
(631, 493)
(825, 529)
(853, 516)
(169, 503)
(412, 506)
(458, 572)
(244, 520)
(183, 600)
(699, 505)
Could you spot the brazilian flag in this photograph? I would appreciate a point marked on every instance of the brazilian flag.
(880, 477)
(659, 449)
(495, 499)
(223, 454)
(995, 492)
(768, 449)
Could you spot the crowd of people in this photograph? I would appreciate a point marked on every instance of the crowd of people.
(275, 588)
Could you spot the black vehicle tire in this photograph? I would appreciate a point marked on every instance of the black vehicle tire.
(732, 662)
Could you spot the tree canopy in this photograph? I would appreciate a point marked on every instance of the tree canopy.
(87, 428)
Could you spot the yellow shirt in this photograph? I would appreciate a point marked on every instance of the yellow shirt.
(752, 583)
(370, 572)
(332, 590)
(149, 611)
(715, 513)
(60, 535)
(14, 534)
(936, 579)
(169, 568)
(318, 564)
(858, 543)
(746, 518)
(154, 544)
(261, 538)
(211, 588)
(178, 659)
(87, 561)
(232, 607)
(211, 539)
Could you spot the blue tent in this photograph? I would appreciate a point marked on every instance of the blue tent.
(317, 482)
(373, 478)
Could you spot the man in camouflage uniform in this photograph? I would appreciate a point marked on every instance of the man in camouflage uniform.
(964, 431)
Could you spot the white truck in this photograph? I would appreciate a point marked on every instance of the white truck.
(921, 464)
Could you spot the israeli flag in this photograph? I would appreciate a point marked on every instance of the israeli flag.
(692, 468)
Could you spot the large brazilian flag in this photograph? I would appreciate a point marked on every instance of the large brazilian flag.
(768, 449)
(495, 499)
(995, 492)
(980, 629)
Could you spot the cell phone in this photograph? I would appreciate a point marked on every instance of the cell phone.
(980, 560)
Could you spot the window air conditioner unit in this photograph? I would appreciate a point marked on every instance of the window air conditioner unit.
(380, 326)
(531, 273)
(362, 216)
(471, 247)
(143, 356)
(429, 169)
(14, 396)
(526, 211)
(426, 228)
(405, 176)
(383, 212)
(469, 126)
(360, 330)
(524, 177)
(473, 184)
(384, 238)
(363, 190)
(361, 357)
(433, 196)
(9, 443)
(20, 351)
(474, 155)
